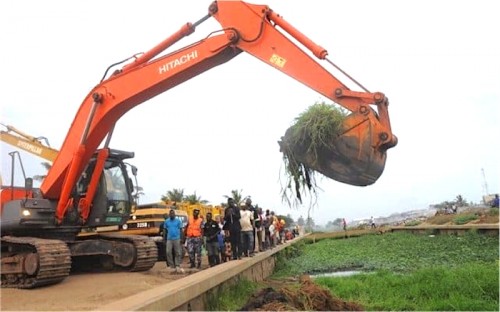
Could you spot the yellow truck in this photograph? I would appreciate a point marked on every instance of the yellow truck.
(203, 208)
(147, 219)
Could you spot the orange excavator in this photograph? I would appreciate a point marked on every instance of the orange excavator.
(39, 226)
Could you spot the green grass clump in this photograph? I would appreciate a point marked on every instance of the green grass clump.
(232, 296)
(440, 220)
(314, 129)
(413, 223)
(317, 127)
(464, 219)
(472, 287)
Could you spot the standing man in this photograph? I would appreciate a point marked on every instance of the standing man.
(210, 230)
(172, 226)
(251, 208)
(220, 238)
(194, 238)
(282, 230)
(495, 202)
(273, 228)
(372, 222)
(267, 234)
(247, 230)
(259, 229)
(232, 224)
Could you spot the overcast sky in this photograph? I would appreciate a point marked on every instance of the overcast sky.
(438, 62)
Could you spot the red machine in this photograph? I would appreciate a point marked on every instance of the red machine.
(39, 241)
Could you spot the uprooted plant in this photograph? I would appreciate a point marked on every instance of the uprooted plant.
(312, 132)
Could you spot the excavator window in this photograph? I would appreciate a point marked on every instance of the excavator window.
(117, 190)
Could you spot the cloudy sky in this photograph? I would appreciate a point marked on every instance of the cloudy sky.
(437, 61)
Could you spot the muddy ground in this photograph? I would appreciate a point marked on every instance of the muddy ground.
(301, 295)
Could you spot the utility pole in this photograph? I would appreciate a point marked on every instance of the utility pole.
(485, 184)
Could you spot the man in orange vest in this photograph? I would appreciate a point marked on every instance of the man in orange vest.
(194, 238)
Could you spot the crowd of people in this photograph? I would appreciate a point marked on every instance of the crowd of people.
(241, 232)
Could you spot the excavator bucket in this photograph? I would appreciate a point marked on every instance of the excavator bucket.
(352, 157)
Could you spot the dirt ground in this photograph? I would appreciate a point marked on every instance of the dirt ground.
(84, 292)
(88, 291)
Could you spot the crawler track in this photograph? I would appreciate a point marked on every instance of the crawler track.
(50, 262)
(146, 250)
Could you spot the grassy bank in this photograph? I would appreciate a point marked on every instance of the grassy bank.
(473, 287)
(409, 272)
(406, 272)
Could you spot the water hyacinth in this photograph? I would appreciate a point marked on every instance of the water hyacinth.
(312, 131)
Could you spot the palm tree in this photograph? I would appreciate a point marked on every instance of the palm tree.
(236, 195)
(175, 195)
(194, 199)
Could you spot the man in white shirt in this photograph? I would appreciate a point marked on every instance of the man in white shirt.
(246, 222)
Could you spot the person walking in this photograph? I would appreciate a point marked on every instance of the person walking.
(210, 230)
(232, 224)
(246, 222)
(194, 239)
(372, 223)
(172, 228)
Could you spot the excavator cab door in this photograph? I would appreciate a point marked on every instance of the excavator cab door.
(112, 203)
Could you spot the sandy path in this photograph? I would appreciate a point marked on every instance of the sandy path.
(80, 292)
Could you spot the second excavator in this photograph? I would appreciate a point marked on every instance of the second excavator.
(39, 226)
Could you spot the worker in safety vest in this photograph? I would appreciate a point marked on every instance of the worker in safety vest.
(194, 238)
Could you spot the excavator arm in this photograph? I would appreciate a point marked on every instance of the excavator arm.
(28, 143)
(245, 28)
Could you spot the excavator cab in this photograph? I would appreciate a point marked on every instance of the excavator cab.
(113, 201)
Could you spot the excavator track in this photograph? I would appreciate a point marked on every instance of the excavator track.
(43, 262)
(146, 250)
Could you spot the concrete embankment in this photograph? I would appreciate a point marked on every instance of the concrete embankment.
(191, 292)
(487, 229)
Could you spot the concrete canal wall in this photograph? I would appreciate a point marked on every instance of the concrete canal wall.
(192, 292)
(487, 229)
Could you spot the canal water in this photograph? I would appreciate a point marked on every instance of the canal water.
(337, 274)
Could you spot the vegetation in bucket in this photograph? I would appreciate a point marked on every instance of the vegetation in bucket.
(312, 131)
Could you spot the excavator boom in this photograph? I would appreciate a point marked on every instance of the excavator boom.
(89, 187)
(245, 28)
